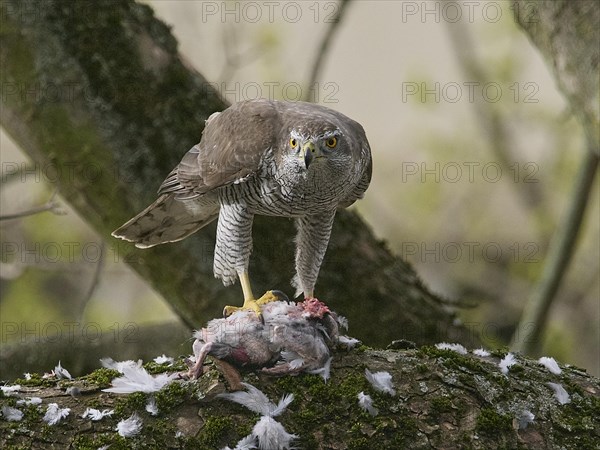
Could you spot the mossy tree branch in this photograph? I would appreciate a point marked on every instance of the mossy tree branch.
(443, 400)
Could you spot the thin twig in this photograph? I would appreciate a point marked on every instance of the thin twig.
(50, 205)
(94, 283)
(535, 315)
(323, 49)
(489, 118)
(234, 61)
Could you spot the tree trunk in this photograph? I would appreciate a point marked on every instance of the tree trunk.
(97, 92)
(567, 33)
(443, 400)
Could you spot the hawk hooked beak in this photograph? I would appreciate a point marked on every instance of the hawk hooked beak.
(309, 153)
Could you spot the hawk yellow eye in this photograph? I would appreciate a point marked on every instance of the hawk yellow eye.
(331, 142)
(293, 143)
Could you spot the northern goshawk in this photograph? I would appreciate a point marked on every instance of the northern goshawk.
(274, 158)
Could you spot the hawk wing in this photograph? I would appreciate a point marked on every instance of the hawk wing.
(232, 146)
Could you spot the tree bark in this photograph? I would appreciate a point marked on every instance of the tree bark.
(443, 400)
(567, 33)
(96, 92)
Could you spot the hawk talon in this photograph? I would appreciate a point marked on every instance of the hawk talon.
(273, 296)
(255, 305)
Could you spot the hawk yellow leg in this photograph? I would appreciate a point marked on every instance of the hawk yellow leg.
(250, 303)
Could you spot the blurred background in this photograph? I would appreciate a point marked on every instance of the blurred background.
(475, 153)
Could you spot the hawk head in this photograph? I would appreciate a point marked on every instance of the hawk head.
(319, 149)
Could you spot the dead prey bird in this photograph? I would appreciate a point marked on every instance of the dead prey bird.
(293, 338)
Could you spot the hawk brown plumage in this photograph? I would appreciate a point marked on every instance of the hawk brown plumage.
(289, 159)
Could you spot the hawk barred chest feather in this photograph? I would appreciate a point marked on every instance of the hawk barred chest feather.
(288, 159)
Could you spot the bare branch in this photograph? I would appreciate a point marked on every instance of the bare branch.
(51, 205)
(324, 48)
(234, 61)
(489, 118)
(94, 282)
(562, 248)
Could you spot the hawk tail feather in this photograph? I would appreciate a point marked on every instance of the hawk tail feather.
(166, 220)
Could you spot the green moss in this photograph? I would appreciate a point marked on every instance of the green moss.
(35, 380)
(517, 369)
(93, 442)
(501, 380)
(127, 405)
(361, 443)
(500, 352)
(46, 431)
(289, 384)
(453, 360)
(490, 423)
(32, 415)
(154, 368)
(440, 405)
(406, 423)
(422, 368)
(101, 377)
(214, 432)
(161, 431)
(170, 396)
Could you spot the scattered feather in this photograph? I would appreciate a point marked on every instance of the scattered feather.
(481, 352)
(119, 366)
(136, 379)
(325, 371)
(294, 360)
(179, 434)
(454, 347)
(27, 376)
(525, 418)
(73, 391)
(130, 427)
(550, 364)
(104, 447)
(506, 362)
(55, 414)
(343, 322)
(96, 414)
(272, 435)
(62, 373)
(560, 394)
(11, 414)
(348, 341)
(10, 390)
(163, 359)
(255, 400)
(151, 406)
(30, 401)
(296, 363)
(381, 381)
(246, 443)
(366, 403)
